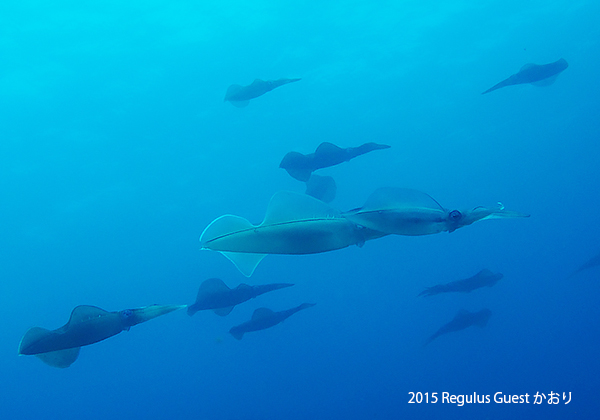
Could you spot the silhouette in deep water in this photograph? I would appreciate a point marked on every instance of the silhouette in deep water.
(87, 325)
(403, 211)
(463, 319)
(484, 278)
(301, 166)
(294, 224)
(321, 187)
(240, 95)
(535, 74)
(214, 294)
(593, 262)
(264, 318)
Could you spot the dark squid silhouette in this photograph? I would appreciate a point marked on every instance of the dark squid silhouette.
(463, 319)
(264, 318)
(240, 95)
(593, 262)
(301, 166)
(484, 278)
(535, 74)
(214, 294)
(87, 325)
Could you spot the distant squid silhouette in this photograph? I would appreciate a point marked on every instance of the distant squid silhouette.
(301, 166)
(264, 318)
(87, 325)
(482, 279)
(535, 74)
(215, 295)
(591, 263)
(463, 319)
(240, 96)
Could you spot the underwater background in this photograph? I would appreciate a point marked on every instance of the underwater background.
(117, 151)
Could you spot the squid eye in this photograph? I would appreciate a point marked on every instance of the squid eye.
(455, 215)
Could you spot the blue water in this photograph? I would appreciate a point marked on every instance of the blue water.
(117, 150)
